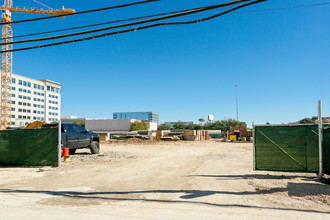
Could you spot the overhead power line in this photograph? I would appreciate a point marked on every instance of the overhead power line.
(142, 17)
(136, 29)
(98, 24)
(82, 12)
(192, 11)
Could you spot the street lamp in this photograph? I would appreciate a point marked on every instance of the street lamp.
(236, 102)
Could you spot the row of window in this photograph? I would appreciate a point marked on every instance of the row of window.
(53, 102)
(38, 106)
(36, 86)
(24, 103)
(22, 82)
(39, 118)
(24, 117)
(52, 89)
(53, 113)
(23, 97)
(53, 119)
(53, 108)
(38, 112)
(24, 90)
(38, 100)
(53, 96)
(24, 110)
(39, 93)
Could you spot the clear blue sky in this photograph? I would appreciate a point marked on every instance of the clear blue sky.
(280, 59)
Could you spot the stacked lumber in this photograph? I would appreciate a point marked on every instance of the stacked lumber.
(196, 135)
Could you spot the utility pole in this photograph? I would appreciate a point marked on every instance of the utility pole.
(236, 102)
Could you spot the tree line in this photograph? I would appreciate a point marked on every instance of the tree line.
(222, 125)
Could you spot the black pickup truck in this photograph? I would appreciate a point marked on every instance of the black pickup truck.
(75, 137)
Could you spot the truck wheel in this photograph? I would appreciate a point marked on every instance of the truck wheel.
(95, 147)
(72, 151)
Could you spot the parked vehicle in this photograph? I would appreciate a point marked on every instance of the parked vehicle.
(76, 137)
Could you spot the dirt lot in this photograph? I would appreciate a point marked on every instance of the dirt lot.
(167, 180)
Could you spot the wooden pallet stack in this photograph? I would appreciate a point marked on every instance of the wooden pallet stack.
(196, 135)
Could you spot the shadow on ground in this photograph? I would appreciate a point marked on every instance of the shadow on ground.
(187, 196)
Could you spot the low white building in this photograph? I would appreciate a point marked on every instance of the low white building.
(114, 124)
(34, 100)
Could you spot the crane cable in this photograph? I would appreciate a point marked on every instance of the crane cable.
(133, 29)
(192, 11)
(82, 12)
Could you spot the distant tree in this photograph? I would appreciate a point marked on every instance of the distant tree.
(201, 120)
(190, 126)
(139, 126)
(82, 122)
(163, 127)
(198, 127)
(217, 125)
(179, 125)
(311, 120)
(267, 123)
(225, 125)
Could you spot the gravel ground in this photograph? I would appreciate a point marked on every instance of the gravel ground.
(161, 180)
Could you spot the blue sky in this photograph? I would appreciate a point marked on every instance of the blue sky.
(280, 59)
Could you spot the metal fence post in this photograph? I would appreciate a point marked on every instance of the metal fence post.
(59, 147)
(320, 141)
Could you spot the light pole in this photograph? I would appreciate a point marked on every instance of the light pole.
(236, 102)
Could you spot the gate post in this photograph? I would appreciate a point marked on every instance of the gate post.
(59, 147)
(320, 175)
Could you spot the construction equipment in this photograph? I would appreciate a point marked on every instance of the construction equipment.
(35, 125)
(7, 57)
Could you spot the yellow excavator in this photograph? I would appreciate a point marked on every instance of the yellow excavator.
(35, 125)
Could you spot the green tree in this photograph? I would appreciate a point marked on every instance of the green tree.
(139, 126)
(179, 125)
(163, 127)
(223, 125)
(82, 122)
(311, 120)
(201, 120)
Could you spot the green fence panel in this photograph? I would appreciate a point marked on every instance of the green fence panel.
(326, 149)
(286, 148)
(36, 147)
(217, 136)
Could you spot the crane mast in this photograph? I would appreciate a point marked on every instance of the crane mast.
(7, 57)
(6, 67)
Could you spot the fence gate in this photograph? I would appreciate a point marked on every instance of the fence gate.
(287, 148)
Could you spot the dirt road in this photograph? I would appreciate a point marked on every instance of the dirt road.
(181, 180)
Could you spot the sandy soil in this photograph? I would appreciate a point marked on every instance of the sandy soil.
(166, 180)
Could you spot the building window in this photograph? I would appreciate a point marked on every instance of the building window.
(12, 95)
(29, 84)
(13, 80)
(20, 82)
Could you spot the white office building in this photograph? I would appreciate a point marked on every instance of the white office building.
(34, 100)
